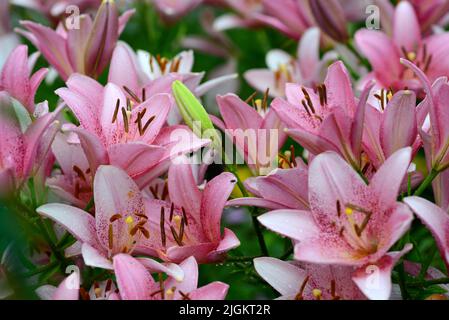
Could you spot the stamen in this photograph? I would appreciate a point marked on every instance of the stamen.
(79, 172)
(184, 215)
(265, 99)
(125, 120)
(172, 210)
(338, 208)
(305, 107)
(165, 191)
(185, 296)
(115, 217)
(145, 127)
(251, 97)
(333, 291)
(144, 94)
(132, 94)
(175, 236)
(293, 156)
(317, 293)
(111, 237)
(299, 296)
(117, 106)
(144, 231)
(163, 237)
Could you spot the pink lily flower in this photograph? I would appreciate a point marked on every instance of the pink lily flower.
(329, 118)
(136, 283)
(308, 69)
(54, 9)
(435, 219)
(391, 127)
(87, 49)
(73, 182)
(384, 52)
(430, 12)
(280, 189)
(111, 126)
(22, 151)
(8, 39)
(306, 281)
(120, 224)
(244, 15)
(16, 78)
(258, 134)
(435, 138)
(156, 74)
(174, 10)
(190, 225)
(350, 223)
(70, 289)
(290, 17)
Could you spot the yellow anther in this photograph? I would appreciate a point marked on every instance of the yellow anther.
(389, 95)
(169, 293)
(411, 56)
(258, 103)
(349, 211)
(316, 293)
(283, 68)
(177, 220)
(98, 292)
(129, 220)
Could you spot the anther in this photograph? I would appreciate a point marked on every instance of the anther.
(117, 106)
(162, 225)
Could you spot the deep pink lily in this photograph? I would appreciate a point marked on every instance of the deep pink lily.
(121, 222)
(430, 12)
(436, 220)
(174, 10)
(307, 69)
(350, 223)
(21, 153)
(16, 78)
(280, 189)
(136, 283)
(435, 138)
(392, 126)
(113, 130)
(330, 118)
(258, 134)
(190, 225)
(384, 52)
(86, 50)
(306, 281)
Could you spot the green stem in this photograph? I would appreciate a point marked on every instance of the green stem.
(402, 285)
(425, 266)
(254, 215)
(427, 182)
(428, 283)
(40, 269)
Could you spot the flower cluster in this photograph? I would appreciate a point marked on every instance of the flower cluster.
(122, 171)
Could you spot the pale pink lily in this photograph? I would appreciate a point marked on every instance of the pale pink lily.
(306, 281)
(384, 52)
(136, 283)
(144, 71)
(112, 126)
(190, 225)
(350, 223)
(280, 189)
(307, 69)
(258, 134)
(244, 16)
(328, 118)
(73, 181)
(16, 78)
(436, 220)
(87, 49)
(70, 289)
(120, 224)
(23, 146)
(174, 10)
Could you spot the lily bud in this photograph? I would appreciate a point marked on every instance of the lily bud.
(102, 38)
(330, 17)
(194, 114)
